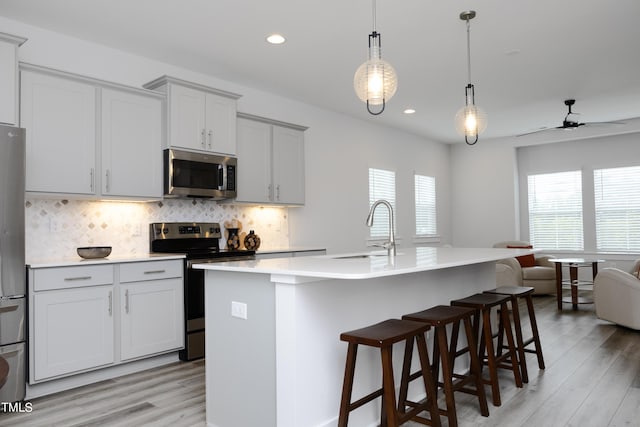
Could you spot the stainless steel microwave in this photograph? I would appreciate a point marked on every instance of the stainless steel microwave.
(191, 174)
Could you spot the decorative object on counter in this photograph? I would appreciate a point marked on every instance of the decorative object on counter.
(251, 241)
(93, 252)
(233, 238)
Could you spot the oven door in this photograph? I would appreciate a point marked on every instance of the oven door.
(194, 305)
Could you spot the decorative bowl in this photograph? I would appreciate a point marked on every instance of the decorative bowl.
(92, 252)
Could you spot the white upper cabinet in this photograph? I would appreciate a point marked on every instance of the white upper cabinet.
(270, 161)
(131, 145)
(60, 118)
(89, 138)
(9, 77)
(288, 165)
(198, 117)
(254, 155)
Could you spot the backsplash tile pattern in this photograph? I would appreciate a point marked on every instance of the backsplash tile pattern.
(55, 228)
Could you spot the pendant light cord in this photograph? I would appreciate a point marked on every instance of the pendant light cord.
(373, 7)
(469, 49)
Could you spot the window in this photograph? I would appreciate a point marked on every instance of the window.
(555, 210)
(617, 204)
(382, 185)
(425, 188)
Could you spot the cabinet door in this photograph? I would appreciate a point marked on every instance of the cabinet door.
(254, 162)
(73, 331)
(288, 165)
(8, 82)
(131, 145)
(221, 124)
(60, 118)
(151, 317)
(187, 118)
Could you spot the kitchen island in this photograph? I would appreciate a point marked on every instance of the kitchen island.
(273, 352)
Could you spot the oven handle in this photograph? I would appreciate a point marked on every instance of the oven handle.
(222, 259)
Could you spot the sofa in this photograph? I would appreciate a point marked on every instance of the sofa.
(534, 270)
(616, 294)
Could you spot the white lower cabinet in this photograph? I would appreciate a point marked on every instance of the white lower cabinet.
(148, 313)
(89, 317)
(73, 330)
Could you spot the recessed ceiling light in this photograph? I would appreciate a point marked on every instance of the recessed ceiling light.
(409, 111)
(276, 39)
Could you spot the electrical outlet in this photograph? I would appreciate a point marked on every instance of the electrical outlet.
(135, 229)
(54, 225)
(239, 310)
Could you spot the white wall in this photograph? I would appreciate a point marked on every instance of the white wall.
(339, 149)
(484, 193)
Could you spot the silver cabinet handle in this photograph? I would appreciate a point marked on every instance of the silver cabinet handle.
(155, 271)
(270, 192)
(210, 138)
(91, 180)
(203, 138)
(278, 192)
(71, 279)
(110, 303)
(108, 179)
(126, 301)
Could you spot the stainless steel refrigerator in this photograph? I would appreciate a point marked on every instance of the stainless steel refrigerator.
(13, 301)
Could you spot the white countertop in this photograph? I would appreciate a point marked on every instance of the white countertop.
(288, 249)
(77, 261)
(377, 264)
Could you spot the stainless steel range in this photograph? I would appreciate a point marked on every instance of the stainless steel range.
(200, 243)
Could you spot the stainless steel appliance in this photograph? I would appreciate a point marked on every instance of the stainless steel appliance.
(200, 243)
(13, 301)
(191, 174)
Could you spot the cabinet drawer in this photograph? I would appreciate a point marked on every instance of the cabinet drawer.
(150, 270)
(46, 279)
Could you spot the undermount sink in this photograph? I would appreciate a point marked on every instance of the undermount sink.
(359, 256)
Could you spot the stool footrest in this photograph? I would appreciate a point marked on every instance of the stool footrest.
(366, 399)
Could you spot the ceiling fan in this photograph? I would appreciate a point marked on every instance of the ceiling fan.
(570, 121)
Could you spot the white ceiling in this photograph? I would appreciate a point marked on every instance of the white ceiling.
(527, 55)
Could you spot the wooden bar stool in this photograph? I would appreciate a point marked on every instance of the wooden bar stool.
(383, 335)
(515, 292)
(439, 317)
(483, 303)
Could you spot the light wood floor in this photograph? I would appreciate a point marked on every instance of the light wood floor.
(592, 378)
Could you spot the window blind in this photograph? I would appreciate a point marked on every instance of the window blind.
(425, 193)
(382, 185)
(555, 210)
(617, 204)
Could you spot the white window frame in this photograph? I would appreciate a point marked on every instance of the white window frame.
(617, 209)
(426, 224)
(382, 185)
(554, 198)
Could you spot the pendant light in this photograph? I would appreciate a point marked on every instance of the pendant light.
(375, 81)
(470, 119)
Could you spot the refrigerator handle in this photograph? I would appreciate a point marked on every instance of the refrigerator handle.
(8, 308)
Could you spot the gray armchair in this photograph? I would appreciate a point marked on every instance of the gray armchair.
(540, 274)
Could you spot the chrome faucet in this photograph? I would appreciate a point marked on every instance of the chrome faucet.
(390, 246)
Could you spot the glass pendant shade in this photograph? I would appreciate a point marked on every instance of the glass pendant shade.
(375, 81)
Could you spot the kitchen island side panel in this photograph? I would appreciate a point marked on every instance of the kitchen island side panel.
(240, 354)
(303, 365)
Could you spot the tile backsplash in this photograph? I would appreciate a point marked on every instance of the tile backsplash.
(55, 228)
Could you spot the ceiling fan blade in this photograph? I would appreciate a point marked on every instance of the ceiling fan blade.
(534, 131)
(604, 123)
